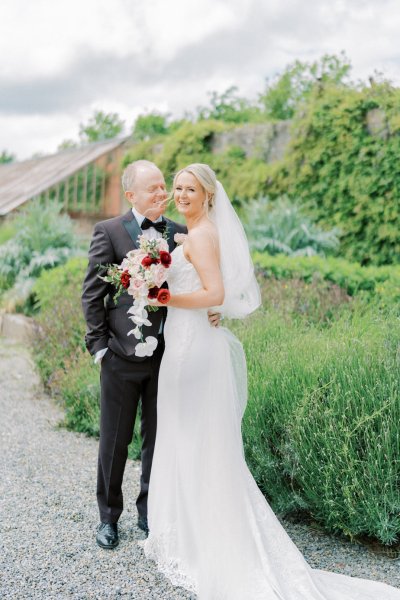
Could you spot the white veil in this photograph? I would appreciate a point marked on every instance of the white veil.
(242, 292)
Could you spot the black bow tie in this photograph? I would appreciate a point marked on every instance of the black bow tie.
(160, 226)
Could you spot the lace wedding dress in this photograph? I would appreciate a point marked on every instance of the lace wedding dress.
(211, 529)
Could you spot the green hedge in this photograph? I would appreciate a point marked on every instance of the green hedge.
(380, 282)
(321, 428)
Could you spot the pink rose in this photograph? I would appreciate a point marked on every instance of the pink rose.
(158, 275)
(137, 257)
(162, 244)
(136, 286)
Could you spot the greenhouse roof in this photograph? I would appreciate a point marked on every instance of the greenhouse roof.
(21, 181)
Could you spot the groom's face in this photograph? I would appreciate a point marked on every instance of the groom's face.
(148, 194)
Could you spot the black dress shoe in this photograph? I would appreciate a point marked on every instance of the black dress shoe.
(143, 525)
(107, 535)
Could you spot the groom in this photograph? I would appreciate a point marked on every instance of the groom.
(125, 378)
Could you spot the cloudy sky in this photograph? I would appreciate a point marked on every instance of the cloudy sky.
(61, 60)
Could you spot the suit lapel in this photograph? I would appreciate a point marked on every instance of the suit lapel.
(132, 227)
(170, 234)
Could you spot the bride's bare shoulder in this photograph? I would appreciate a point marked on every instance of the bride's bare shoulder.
(203, 233)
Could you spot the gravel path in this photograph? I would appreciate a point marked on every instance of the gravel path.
(48, 510)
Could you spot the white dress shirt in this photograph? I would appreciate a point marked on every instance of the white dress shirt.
(149, 233)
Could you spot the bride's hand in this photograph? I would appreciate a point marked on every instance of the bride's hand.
(155, 303)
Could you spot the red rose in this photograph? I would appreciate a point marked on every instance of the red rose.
(163, 296)
(148, 261)
(165, 258)
(153, 293)
(125, 279)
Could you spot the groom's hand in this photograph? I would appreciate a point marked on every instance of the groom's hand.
(157, 209)
(214, 318)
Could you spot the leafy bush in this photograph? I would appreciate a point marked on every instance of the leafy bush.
(317, 302)
(380, 282)
(282, 228)
(44, 238)
(321, 428)
(7, 230)
(345, 168)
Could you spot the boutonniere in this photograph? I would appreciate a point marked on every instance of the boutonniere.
(179, 238)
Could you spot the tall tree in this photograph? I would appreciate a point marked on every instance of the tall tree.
(229, 107)
(148, 126)
(6, 157)
(67, 145)
(101, 126)
(284, 94)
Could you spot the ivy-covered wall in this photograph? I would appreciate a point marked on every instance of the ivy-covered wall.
(341, 163)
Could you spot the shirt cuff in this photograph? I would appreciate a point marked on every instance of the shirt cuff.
(99, 355)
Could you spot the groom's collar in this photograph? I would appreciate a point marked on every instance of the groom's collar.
(131, 225)
(140, 218)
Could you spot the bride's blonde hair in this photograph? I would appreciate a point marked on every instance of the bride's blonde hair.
(205, 176)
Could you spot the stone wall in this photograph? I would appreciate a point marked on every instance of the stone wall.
(267, 141)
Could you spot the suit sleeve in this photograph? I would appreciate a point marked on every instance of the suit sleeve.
(101, 252)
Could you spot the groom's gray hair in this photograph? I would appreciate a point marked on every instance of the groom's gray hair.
(129, 175)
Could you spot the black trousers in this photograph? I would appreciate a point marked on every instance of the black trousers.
(123, 384)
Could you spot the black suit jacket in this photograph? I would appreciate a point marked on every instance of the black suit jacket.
(108, 323)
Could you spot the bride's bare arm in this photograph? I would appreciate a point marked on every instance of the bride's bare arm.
(202, 252)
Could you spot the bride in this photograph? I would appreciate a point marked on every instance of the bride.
(211, 530)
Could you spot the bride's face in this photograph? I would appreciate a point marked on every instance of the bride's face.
(189, 195)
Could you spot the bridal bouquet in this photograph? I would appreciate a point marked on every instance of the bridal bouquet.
(142, 273)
